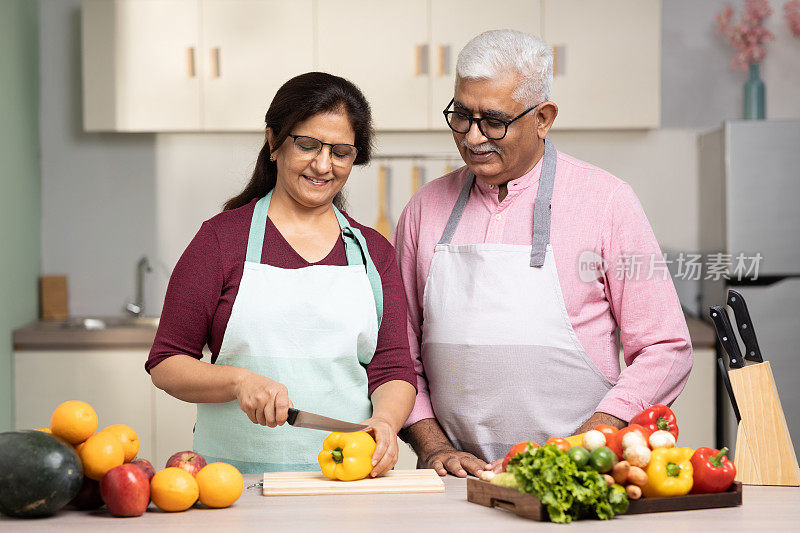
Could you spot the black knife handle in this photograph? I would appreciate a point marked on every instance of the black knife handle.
(726, 380)
(292, 416)
(745, 326)
(726, 336)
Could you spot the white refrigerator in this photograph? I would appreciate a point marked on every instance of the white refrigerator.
(750, 215)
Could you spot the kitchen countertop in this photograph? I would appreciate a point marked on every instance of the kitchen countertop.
(764, 508)
(43, 335)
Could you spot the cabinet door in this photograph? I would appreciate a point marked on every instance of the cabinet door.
(114, 382)
(140, 65)
(250, 48)
(608, 62)
(454, 23)
(173, 426)
(381, 47)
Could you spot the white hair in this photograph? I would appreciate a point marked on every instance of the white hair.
(494, 52)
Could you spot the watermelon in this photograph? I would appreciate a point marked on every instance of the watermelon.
(39, 473)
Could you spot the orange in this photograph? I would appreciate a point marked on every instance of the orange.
(129, 439)
(220, 484)
(100, 453)
(74, 421)
(173, 489)
(46, 430)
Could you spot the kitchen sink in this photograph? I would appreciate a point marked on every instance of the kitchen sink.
(88, 323)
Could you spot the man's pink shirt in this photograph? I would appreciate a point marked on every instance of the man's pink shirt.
(592, 211)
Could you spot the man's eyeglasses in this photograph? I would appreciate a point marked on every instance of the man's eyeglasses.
(491, 127)
(308, 148)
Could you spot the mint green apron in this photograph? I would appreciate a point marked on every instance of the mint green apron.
(314, 329)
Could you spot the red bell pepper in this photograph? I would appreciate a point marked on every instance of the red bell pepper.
(614, 441)
(657, 417)
(713, 471)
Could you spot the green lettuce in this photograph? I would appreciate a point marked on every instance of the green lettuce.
(567, 492)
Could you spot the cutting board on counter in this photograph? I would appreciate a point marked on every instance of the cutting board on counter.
(314, 483)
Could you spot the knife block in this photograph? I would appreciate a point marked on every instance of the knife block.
(764, 451)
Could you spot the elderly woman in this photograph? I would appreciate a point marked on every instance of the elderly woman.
(299, 304)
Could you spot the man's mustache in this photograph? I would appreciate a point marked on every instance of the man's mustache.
(481, 148)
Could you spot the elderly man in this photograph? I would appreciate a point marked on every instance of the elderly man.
(511, 268)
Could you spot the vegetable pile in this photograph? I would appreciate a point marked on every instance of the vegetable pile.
(568, 491)
(594, 474)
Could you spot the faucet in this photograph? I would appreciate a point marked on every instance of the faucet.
(136, 307)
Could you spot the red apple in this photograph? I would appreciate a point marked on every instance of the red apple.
(190, 461)
(88, 496)
(146, 466)
(126, 490)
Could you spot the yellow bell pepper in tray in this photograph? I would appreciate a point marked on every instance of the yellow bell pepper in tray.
(669, 472)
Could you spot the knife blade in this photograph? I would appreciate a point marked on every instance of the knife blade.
(726, 336)
(726, 380)
(303, 419)
(745, 326)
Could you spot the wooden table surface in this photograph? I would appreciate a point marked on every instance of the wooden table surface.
(764, 508)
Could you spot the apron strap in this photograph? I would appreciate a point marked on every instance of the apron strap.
(542, 210)
(355, 247)
(458, 210)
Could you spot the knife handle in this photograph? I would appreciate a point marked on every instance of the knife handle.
(745, 325)
(726, 380)
(292, 416)
(726, 336)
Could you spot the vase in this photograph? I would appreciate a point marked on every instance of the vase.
(754, 106)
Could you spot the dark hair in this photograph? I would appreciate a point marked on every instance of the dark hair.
(298, 99)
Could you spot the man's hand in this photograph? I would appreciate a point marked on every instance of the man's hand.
(457, 463)
(600, 418)
(436, 451)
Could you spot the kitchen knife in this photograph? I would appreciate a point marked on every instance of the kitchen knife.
(302, 419)
(726, 380)
(726, 336)
(745, 325)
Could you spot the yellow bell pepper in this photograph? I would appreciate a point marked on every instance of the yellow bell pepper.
(347, 456)
(575, 440)
(669, 472)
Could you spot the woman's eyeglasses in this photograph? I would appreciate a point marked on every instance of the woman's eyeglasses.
(308, 148)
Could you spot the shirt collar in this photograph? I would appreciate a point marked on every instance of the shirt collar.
(516, 185)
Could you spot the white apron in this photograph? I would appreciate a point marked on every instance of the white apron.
(314, 329)
(502, 360)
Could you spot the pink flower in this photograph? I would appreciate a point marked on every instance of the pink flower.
(791, 11)
(749, 35)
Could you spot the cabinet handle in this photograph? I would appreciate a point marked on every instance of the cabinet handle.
(421, 59)
(444, 60)
(190, 62)
(559, 60)
(215, 62)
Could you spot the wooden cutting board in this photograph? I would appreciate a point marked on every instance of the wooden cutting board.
(314, 483)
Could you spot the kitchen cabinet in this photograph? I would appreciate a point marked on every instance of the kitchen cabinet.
(189, 65)
(214, 65)
(114, 382)
(607, 71)
(383, 48)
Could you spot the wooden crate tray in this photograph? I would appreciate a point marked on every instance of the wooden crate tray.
(528, 506)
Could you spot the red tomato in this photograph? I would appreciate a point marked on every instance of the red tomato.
(561, 444)
(614, 441)
(515, 449)
(606, 430)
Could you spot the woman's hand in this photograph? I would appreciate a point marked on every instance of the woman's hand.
(263, 400)
(386, 451)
